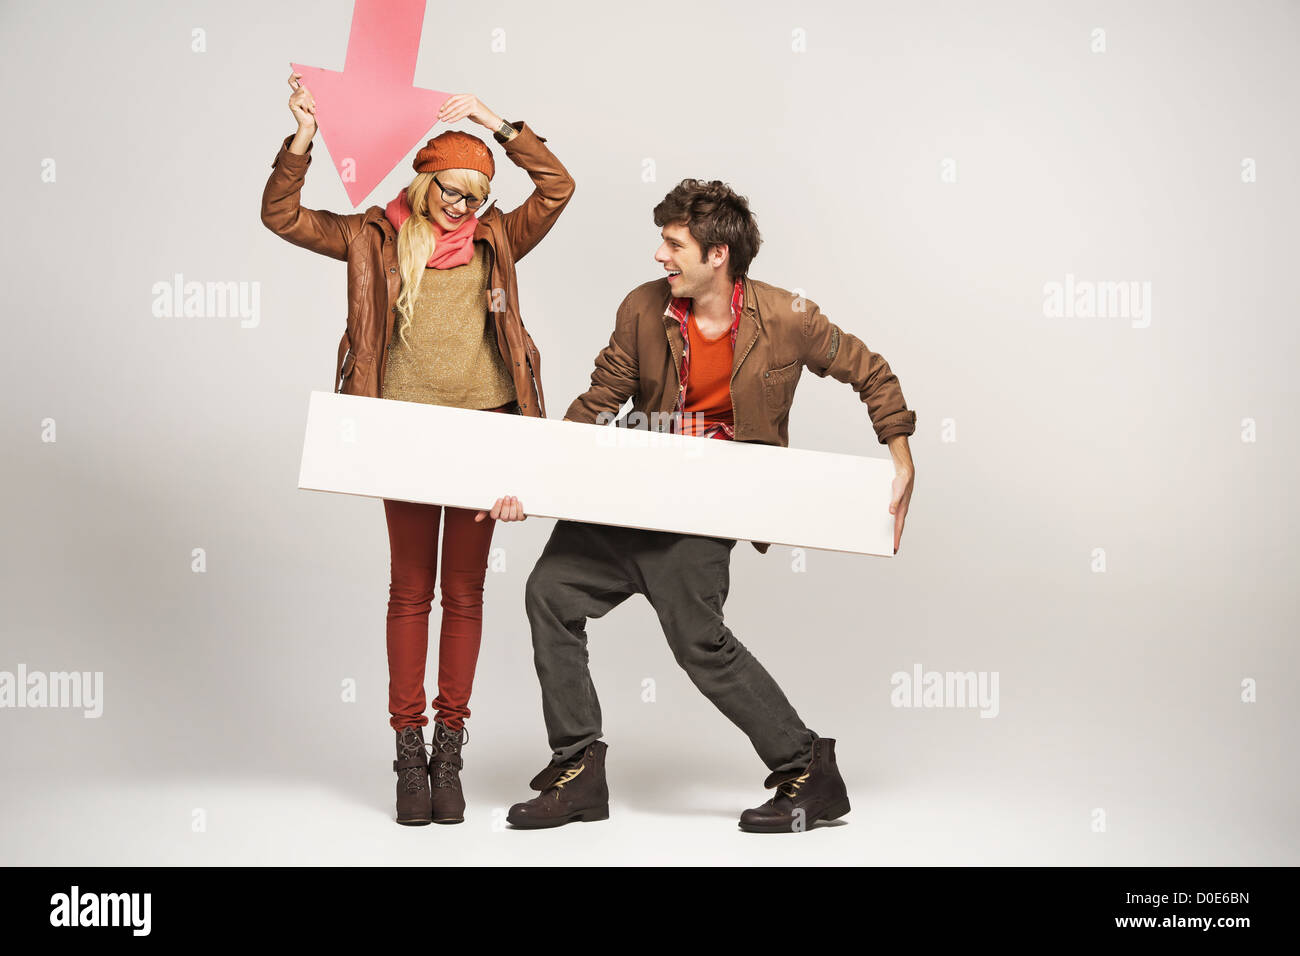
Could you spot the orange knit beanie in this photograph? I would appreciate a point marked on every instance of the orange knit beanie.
(455, 150)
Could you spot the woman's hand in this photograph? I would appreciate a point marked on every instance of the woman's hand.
(302, 105)
(457, 107)
(505, 509)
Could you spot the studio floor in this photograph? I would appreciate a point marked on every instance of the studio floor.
(107, 821)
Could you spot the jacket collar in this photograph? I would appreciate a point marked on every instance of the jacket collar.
(750, 317)
(751, 304)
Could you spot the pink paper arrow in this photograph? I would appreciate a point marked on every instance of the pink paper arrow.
(370, 115)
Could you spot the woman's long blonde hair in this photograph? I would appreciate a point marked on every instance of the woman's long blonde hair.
(415, 240)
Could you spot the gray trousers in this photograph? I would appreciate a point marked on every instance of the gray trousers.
(587, 569)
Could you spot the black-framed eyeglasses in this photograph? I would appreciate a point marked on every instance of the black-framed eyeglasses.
(453, 196)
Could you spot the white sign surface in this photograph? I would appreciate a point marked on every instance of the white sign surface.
(602, 474)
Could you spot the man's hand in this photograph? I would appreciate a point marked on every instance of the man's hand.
(898, 506)
(904, 472)
(506, 509)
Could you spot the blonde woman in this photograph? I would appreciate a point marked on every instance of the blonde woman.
(433, 316)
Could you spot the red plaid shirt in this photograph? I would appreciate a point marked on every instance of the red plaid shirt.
(680, 309)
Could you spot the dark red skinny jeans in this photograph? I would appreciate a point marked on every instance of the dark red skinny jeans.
(413, 549)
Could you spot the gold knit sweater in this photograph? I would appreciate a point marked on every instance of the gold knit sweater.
(451, 355)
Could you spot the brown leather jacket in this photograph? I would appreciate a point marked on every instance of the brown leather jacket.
(780, 334)
(367, 241)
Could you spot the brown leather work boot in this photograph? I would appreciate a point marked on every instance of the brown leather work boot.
(802, 798)
(445, 765)
(414, 804)
(573, 790)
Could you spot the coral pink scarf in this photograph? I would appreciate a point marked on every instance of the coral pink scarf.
(452, 247)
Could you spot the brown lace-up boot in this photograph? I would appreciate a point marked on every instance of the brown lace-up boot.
(573, 790)
(414, 806)
(445, 764)
(802, 798)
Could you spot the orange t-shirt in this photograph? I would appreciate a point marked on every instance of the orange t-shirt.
(708, 389)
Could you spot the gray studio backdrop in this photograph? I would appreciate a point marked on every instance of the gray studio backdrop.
(1103, 519)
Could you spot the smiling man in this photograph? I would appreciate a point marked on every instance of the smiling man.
(708, 351)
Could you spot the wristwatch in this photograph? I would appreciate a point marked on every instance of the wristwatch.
(506, 132)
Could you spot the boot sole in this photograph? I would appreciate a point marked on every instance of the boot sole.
(833, 812)
(414, 823)
(589, 815)
(449, 820)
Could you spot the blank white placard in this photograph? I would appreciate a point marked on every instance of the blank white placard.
(602, 474)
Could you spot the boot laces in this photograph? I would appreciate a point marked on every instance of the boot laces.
(447, 742)
(791, 787)
(567, 777)
(412, 778)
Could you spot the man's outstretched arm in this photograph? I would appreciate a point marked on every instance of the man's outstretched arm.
(616, 376)
(829, 350)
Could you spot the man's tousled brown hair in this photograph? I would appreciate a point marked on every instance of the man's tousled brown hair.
(714, 215)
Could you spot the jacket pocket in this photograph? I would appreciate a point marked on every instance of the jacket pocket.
(779, 384)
